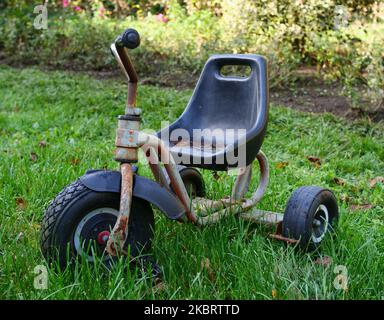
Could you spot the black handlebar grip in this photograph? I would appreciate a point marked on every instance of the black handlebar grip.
(129, 39)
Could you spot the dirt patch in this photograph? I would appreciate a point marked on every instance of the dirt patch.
(311, 94)
(316, 98)
(308, 93)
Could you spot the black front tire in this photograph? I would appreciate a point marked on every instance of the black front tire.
(80, 213)
(311, 213)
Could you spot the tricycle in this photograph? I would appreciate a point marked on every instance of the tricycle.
(108, 213)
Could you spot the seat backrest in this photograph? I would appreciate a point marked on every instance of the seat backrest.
(225, 101)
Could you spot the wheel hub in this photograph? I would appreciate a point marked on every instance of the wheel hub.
(92, 232)
(103, 237)
(320, 223)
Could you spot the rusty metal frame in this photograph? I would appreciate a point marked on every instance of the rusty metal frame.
(119, 232)
(205, 211)
(125, 64)
(127, 141)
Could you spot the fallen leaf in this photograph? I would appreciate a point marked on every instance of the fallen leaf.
(324, 261)
(75, 161)
(20, 237)
(20, 203)
(316, 161)
(33, 157)
(159, 287)
(205, 265)
(313, 159)
(339, 181)
(345, 198)
(42, 144)
(374, 181)
(281, 165)
(274, 293)
(356, 207)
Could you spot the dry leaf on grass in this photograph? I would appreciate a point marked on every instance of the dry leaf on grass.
(274, 293)
(42, 144)
(75, 161)
(339, 181)
(315, 161)
(345, 198)
(356, 207)
(159, 287)
(205, 265)
(20, 203)
(281, 165)
(374, 181)
(324, 261)
(33, 157)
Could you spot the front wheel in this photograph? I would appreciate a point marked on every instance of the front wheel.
(311, 214)
(78, 223)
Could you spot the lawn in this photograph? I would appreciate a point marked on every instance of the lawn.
(54, 126)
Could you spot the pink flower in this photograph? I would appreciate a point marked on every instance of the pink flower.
(101, 11)
(77, 8)
(161, 18)
(65, 3)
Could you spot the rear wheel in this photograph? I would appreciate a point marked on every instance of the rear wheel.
(78, 223)
(192, 179)
(310, 215)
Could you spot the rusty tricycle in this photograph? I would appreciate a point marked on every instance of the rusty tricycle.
(108, 213)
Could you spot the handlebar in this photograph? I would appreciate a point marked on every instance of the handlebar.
(130, 39)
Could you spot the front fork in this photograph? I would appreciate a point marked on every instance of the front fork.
(127, 136)
(126, 153)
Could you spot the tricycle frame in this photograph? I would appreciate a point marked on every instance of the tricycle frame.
(200, 211)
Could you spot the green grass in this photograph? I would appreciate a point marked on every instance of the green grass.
(76, 117)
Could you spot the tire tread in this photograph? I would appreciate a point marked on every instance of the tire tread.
(54, 213)
(297, 214)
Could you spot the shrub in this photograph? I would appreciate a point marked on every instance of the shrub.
(180, 35)
(356, 60)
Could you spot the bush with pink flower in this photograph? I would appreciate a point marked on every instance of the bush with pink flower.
(161, 18)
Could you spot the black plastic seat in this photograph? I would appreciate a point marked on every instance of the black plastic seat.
(222, 106)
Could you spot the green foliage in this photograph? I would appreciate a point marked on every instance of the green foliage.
(180, 35)
(355, 56)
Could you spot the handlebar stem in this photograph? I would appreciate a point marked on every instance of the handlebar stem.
(125, 63)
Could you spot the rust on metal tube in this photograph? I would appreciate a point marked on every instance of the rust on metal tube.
(117, 238)
(133, 79)
(278, 235)
(173, 174)
(179, 188)
(285, 239)
(126, 189)
(127, 64)
(120, 230)
(131, 96)
(153, 161)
